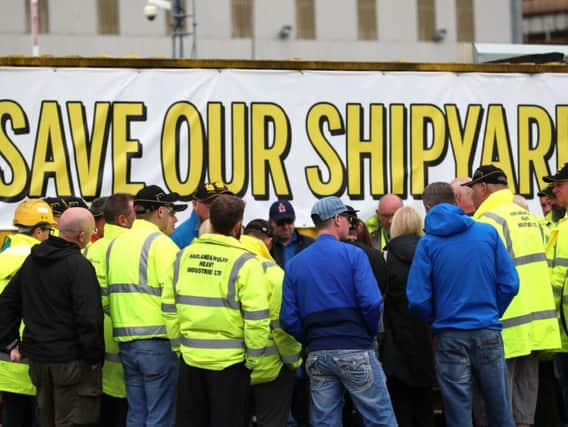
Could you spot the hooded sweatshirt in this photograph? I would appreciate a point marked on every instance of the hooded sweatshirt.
(57, 294)
(462, 276)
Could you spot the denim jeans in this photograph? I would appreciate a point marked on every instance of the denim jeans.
(359, 372)
(150, 374)
(461, 355)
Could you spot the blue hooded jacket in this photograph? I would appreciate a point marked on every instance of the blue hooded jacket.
(462, 276)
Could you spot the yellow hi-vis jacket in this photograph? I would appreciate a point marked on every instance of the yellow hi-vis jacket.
(138, 264)
(215, 304)
(113, 371)
(557, 254)
(530, 322)
(14, 376)
(281, 349)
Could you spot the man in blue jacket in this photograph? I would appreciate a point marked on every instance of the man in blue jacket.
(462, 279)
(332, 304)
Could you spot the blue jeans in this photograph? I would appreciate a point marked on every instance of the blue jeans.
(150, 374)
(461, 355)
(359, 372)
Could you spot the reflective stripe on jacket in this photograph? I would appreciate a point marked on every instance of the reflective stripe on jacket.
(215, 304)
(138, 263)
(557, 254)
(530, 323)
(281, 348)
(113, 371)
(14, 376)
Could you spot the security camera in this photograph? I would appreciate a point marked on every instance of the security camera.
(439, 35)
(285, 32)
(150, 11)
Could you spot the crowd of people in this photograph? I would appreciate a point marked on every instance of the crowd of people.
(112, 315)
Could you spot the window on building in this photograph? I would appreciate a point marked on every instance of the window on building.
(107, 13)
(426, 20)
(242, 18)
(465, 20)
(367, 19)
(43, 15)
(305, 19)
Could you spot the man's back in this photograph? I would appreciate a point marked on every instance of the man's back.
(461, 276)
(338, 301)
(60, 304)
(530, 322)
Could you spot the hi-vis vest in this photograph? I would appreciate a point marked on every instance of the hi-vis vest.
(557, 254)
(113, 371)
(281, 349)
(530, 322)
(138, 264)
(216, 306)
(14, 376)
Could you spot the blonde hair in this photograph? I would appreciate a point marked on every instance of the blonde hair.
(406, 221)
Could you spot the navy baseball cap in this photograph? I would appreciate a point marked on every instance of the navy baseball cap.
(282, 209)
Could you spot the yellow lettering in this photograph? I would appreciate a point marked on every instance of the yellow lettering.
(424, 155)
(16, 188)
(463, 139)
(89, 153)
(238, 145)
(496, 149)
(267, 156)
(124, 149)
(179, 113)
(317, 115)
(358, 149)
(398, 169)
(532, 156)
(50, 159)
(561, 136)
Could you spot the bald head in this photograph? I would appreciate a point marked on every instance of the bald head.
(388, 205)
(463, 194)
(76, 225)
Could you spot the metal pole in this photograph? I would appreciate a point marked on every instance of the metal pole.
(516, 9)
(34, 16)
(194, 30)
(252, 31)
(179, 19)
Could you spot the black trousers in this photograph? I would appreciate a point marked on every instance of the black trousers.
(412, 405)
(208, 398)
(19, 410)
(68, 394)
(272, 400)
(113, 411)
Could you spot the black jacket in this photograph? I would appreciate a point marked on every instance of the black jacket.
(378, 265)
(277, 251)
(57, 294)
(407, 351)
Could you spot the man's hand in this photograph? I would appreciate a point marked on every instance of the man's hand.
(15, 355)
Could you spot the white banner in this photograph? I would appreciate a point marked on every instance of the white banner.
(270, 134)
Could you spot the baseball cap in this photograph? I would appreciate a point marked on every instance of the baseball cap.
(282, 209)
(152, 197)
(209, 190)
(489, 174)
(259, 225)
(546, 192)
(561, 175)
(61, 204)
(327, 208)
(98, 206)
